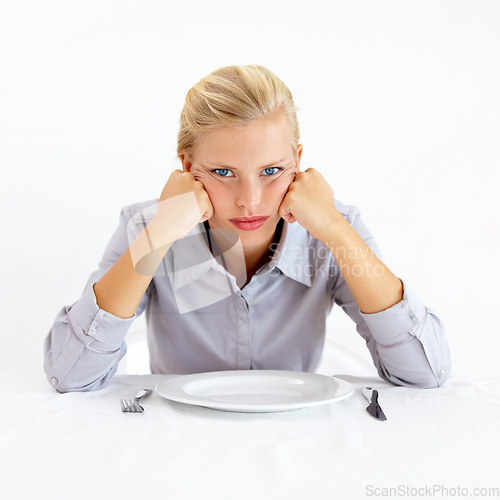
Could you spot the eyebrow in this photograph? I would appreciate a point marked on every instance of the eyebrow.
(215, 165)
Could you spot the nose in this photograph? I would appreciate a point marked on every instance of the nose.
(249, 194)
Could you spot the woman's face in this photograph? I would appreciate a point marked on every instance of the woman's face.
(246, 173)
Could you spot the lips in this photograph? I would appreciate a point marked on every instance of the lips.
(249, 223)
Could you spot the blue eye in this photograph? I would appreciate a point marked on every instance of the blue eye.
(223, 172)
(271, 170)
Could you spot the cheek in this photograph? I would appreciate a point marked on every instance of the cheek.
(219, 195)
(277, 190)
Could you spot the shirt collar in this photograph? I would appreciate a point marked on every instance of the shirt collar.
(292, 255)
(191, 258)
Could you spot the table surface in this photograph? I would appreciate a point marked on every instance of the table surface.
(80, 445)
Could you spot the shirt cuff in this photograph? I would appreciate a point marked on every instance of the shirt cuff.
(399, 323)
(93, 326)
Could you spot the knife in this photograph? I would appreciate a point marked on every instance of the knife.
(373, 408)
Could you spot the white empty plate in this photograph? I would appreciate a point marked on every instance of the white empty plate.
(254, 390)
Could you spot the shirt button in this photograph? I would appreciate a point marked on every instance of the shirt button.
(53, 381)
(441, 373)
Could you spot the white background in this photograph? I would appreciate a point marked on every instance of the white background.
(399, 109)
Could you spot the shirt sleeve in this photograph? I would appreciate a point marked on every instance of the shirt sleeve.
(406, 341)
(85, 344)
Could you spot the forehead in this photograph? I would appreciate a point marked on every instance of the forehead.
(256, 144)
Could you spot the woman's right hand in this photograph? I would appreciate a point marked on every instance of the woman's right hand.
(183, 203)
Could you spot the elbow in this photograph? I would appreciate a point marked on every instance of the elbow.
(423, 378)
(73, 380)
(429, 382)
(66, 384)
(424, 381)
(71, 370)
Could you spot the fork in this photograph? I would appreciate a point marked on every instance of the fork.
(129, 406)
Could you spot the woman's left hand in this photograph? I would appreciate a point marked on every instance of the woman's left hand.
(310, 201)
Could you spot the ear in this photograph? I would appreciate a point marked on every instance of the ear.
(186, 161)
(300, 149)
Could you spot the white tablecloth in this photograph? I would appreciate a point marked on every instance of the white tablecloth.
(80, 445)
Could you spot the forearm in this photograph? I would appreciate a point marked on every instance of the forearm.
(373, 286)
(121, 289)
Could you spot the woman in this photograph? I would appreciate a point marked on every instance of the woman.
(240, 260)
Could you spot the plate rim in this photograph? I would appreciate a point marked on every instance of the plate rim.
(253, 407)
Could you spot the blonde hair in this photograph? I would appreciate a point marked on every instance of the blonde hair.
(234, 96)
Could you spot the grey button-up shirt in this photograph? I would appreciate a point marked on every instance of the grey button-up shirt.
(199, 319)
